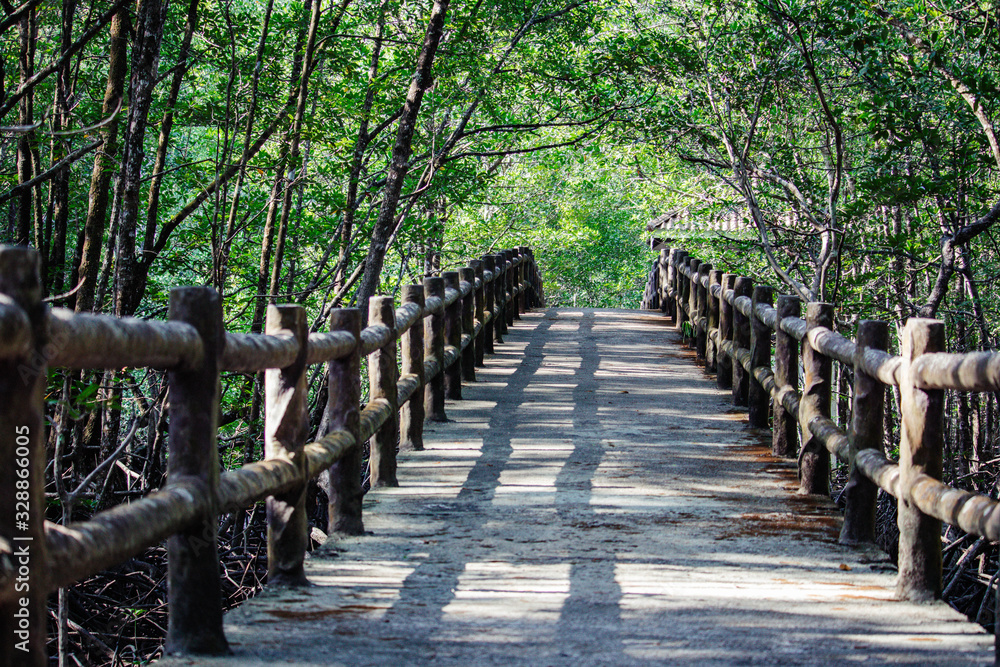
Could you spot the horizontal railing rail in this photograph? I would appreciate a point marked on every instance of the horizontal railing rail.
(731, 324)
(443, 328)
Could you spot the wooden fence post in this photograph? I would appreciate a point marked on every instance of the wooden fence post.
(511, 281)
(518, 282)
(711, 347)
(661, 279)
(489, 330)
(512, 298)
(285, 423)
(655, 283)
(434, 339)
(701, 314)
(468, 275)
(529, 278)
(866, 432)
(741, 340)
(500, 296)
(538, 287)
(692, 300)
(525, 278)
(759, 399)
(785, 429)
(814, 457)
(670, 303)
(680, 293)
(724, 365)
(382, 372)
(650, 294)
(685, 295)
(479, 296)
(453, 337)
(411, 343)
(535, 294)
(344, 413)
(195, 623)
(920, 452)
(533, 279)
(22, 472)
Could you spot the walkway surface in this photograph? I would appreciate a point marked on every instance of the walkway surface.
(596, 501)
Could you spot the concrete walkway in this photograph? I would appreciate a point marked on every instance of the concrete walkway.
(596, 501)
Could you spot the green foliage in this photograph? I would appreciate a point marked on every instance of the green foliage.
(580, 212)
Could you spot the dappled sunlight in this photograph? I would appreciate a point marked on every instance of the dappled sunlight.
(542, 444)
(547, 408)
(497, 591)
(555, 388)
(641, 583)
(601, 509)
(377, 583)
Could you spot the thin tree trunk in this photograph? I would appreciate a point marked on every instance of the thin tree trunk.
(963, 422)
(100, 179)
(264, 269)
(26, 118)
(976, 431)
(129, 285)
(357, 159)
(399, 164)
(222, 262)
(43, 222)
(260, 296)
(59, 187)
(166, 125)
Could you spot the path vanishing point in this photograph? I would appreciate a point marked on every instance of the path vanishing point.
(595, 500)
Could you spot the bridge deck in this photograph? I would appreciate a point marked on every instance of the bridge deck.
(596, 502)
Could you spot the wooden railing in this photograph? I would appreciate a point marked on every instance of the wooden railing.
(443, 327)
(730, 322)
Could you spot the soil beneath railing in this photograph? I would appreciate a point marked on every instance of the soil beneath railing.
(119, 617)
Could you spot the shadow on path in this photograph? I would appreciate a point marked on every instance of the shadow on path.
(591, 615)
(594, 502)
(433, 584)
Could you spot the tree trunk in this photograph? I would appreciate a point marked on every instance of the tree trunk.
(166, 125)
(100, 178)
(280, 190)
(357, 160)
(26, 118)
(222, 262)
(130, 280)
(260, 294)
(59, 188)
(399, 164)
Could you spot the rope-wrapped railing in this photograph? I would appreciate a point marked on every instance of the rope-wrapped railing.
(329, 346)
(731, 323)
(440, 332)
(79, 550)
(249, 353)
(79, 340)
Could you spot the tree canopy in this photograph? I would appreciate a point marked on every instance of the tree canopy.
(323, 152)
